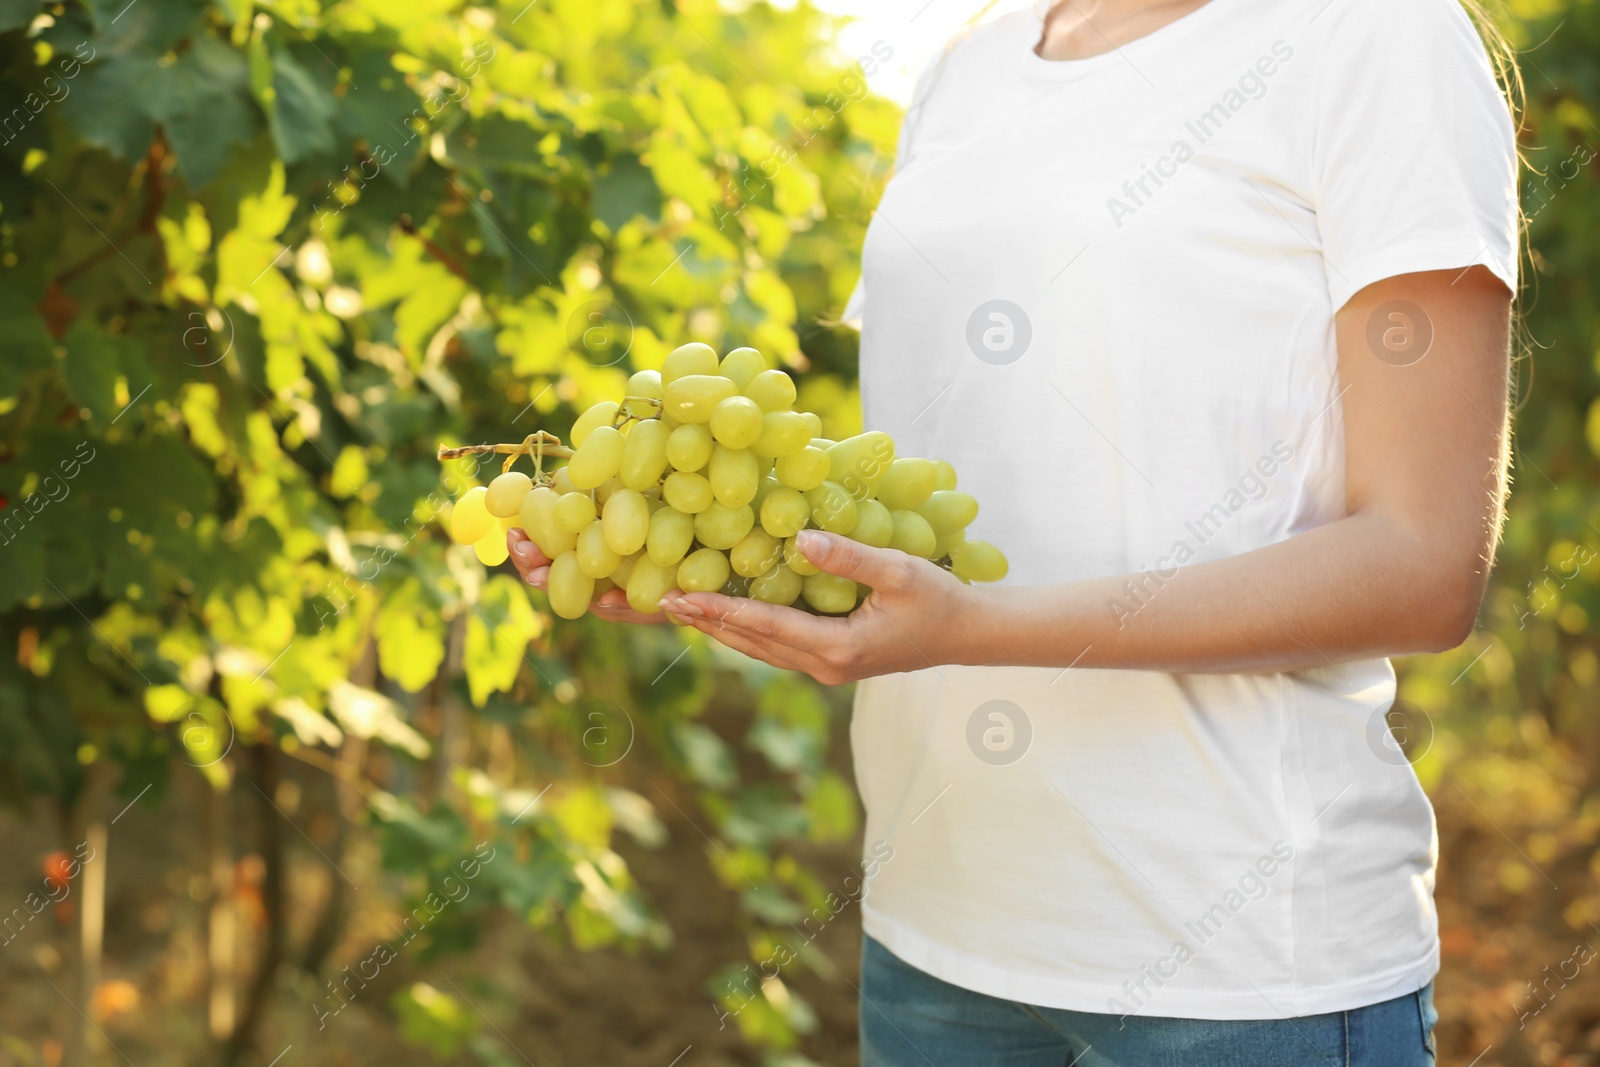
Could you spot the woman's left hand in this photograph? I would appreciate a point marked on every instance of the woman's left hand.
(911, 620)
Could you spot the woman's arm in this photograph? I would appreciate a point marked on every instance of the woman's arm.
(1404, 571)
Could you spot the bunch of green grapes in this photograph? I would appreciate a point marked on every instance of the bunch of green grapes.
(701, 478)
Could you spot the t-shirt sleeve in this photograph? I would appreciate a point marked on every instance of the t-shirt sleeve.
(1414, 161)
(851, 316)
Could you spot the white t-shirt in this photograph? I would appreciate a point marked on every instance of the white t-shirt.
(1170, 228)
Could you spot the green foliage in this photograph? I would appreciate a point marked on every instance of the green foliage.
(255, 266)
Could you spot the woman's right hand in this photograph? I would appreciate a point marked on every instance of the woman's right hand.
(534, 566)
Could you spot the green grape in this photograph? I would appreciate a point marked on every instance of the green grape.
(505, 494)
(693, 397)
(736, 586)
(783, 433)
(644, 454)
(601, 414)
(722, 527)
(597, 459)
(979, 561)
(692, 358)
(704, 570)
(645, 384)
(829, 593)
(648, 583)
(624, 570)
(689, 493)
(785, 512)
(512, 523)
(561, 481)
(689, 447)
(814, 421)
(538, 520)
(491, 548)
(795, 559)
(832, 508)
(626, 518)
(779, 585)
(735, 475)
(908, 483)
(805, 469)
(603, 492)
(764, 489)
(469, 519)
(596, 558)
(742, 364)
(772, 389)
(947, 475)
(858, 463)
(948, 510)
(570, 589)
(912, 534)
(874, 524)
(736, 422)
(574, 511)
(947, 543)
(756, 553)
(671, 534)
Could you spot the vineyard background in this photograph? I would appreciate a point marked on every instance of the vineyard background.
(259, 718)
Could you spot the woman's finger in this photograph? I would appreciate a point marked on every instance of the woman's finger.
(788, 627)
(787, 659)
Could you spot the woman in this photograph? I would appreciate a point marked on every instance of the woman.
(1208, 302)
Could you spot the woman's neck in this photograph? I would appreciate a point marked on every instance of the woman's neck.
(1079, 29)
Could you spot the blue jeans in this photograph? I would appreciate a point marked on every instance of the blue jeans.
(912, 1019)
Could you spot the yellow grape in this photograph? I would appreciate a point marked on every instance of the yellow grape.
(689, 447)
(570, 589)
(742, 364)
(736, 422)
(624, 571)
(647, 384)
(574, 511)
(689, 493)
(947, 475)
(561, 481)
(908, 483)
(829, 593)
(491, 548)
(772, 389)
(626, 520)
(756, 553)
(692, 358)
(979, 561)
(538, 519)
(858, 463)
(832, 508)
(603, 586)
(511, 523)
(735, 475)
(823, 443)
(874, 524)
(597, 459)
(912, 534)
(596, 558)
(780, 585)
(648, 583)
(603, 492)
(783, 433)
(693, 397)
(705, 570)
(948, 509)
(795, 559)
(469, 519)
(947, 543)
(601, 414)
(764, 488)
(785, 512)
(644, 454)
(722, 527)
(504, 494)
(814, 421)
(805, 469)
(671, 534)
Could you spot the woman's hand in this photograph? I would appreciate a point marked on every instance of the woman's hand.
(534, 566)
(912, 620)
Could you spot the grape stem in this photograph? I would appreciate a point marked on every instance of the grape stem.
(535, 444)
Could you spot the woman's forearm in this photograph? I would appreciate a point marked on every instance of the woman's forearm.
(1359, 587)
